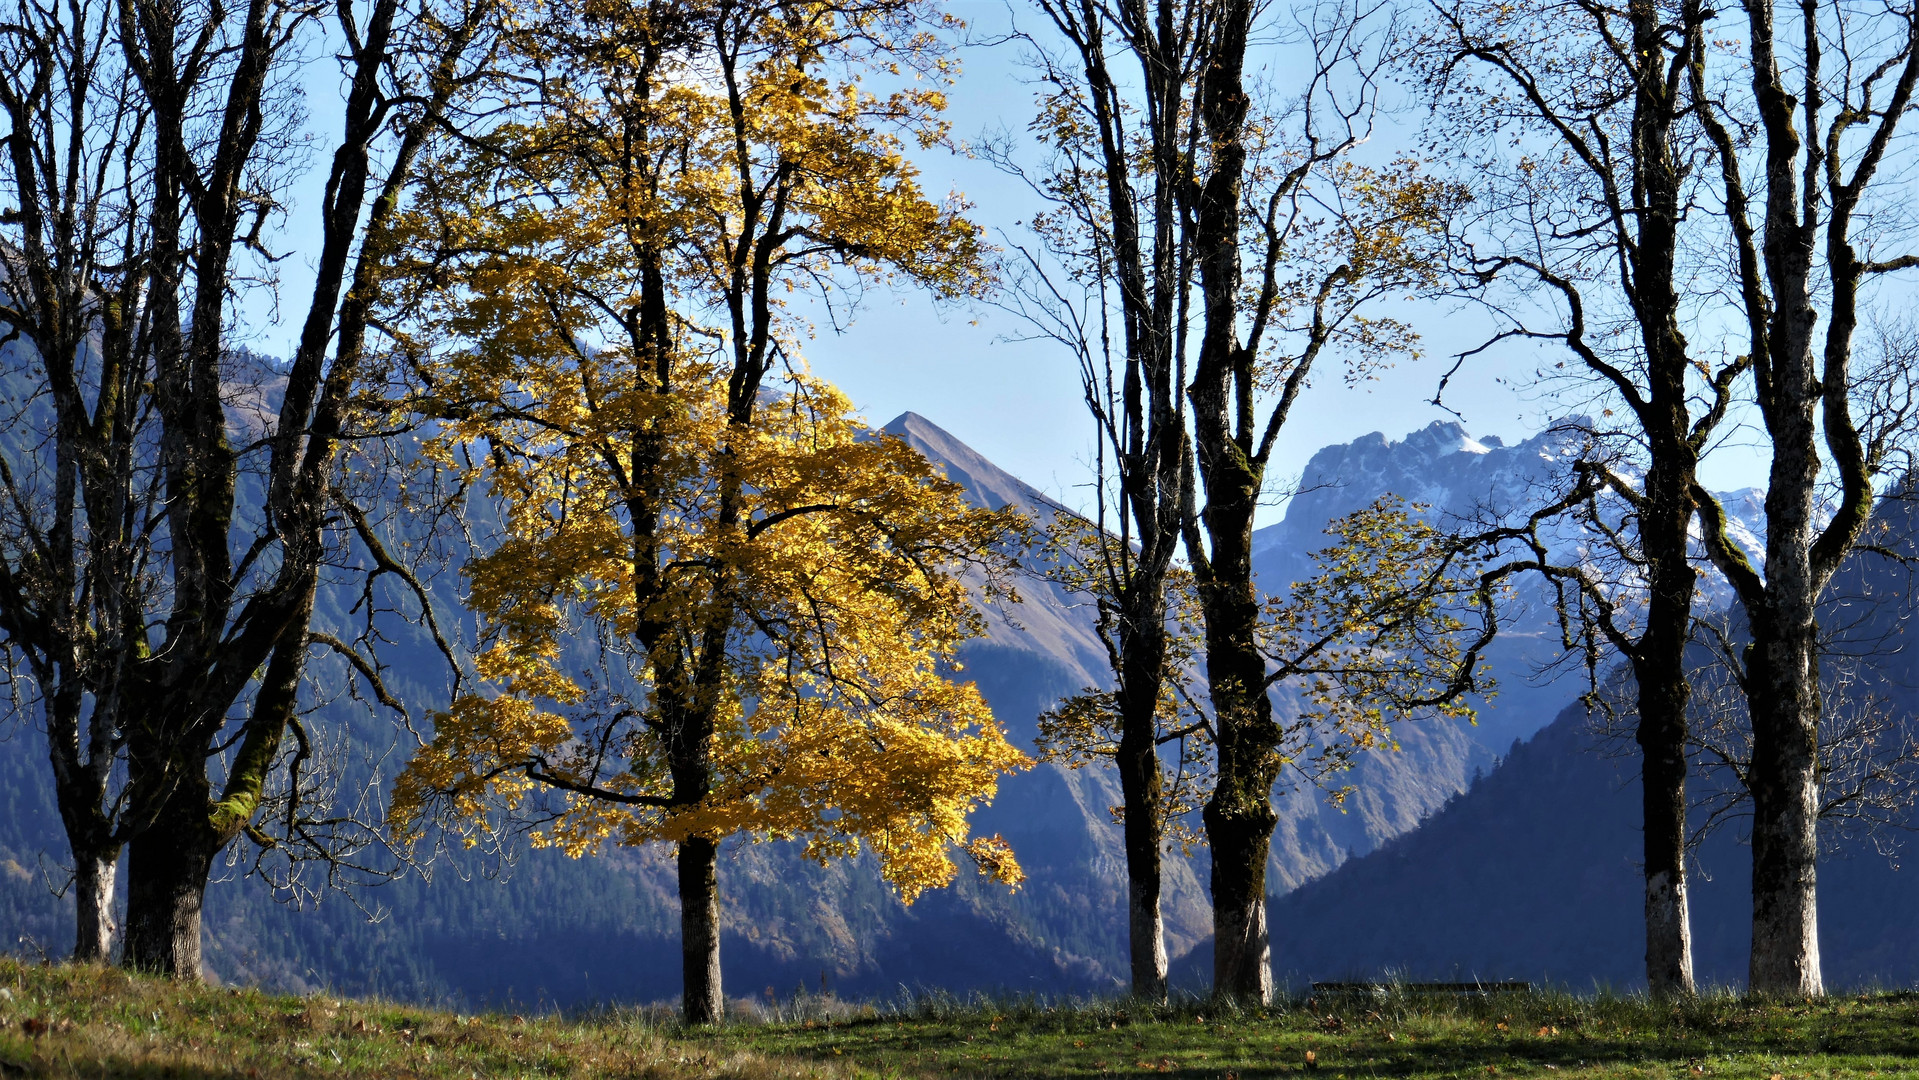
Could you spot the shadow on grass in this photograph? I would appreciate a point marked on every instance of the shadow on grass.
(1388, 1034)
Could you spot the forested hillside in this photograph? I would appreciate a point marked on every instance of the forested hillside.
(1531, 874)
(548, 928)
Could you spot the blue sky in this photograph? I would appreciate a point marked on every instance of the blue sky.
(1018, 402)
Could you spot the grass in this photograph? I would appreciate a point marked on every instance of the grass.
(87, 1021)
(1393, 1034)
(91, 1021)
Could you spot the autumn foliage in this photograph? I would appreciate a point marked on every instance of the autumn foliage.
(720, 606)
(839, 603)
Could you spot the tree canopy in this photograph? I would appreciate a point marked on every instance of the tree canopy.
(773, 594)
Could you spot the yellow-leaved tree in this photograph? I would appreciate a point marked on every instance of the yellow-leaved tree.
(721, 605)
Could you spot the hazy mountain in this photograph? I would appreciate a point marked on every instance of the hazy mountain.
(1534, 873)
(554, 930)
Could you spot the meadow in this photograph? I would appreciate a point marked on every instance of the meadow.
(90, 1021)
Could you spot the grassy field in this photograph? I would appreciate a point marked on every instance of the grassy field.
(67, 1021)
(85, 1021)
(1389, 1035)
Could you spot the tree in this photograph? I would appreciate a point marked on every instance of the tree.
(774, 594)
(1721, 268)
(1826, 104)
(1576, 126)
(1138, 274)
(74, 569)
(153, 586)
(1326, 236)
(1118, 236)
(219, 138)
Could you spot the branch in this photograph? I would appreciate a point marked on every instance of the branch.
(364, 667)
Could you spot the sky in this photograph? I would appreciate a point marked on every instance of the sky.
(1017, 401)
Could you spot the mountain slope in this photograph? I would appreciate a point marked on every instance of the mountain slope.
(547, 929)
(1533, 874)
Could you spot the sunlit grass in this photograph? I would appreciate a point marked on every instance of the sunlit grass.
(91, 1021)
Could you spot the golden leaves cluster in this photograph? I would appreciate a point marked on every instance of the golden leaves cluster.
(840, 723)
(720, 605)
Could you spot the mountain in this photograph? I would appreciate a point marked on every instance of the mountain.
(1534, 873)
(540, 928)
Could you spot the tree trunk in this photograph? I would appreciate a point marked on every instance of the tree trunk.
(1661, 678)
(1145, 927)
(1239, 832)
(1143, 650)
(167, 868)
(1663, 789)
(1139, 782)
(94, 874)
(1783, 675)
(1782, 664)
(1239, 814)
(699, 866)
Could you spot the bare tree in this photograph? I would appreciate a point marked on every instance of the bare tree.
(1325, 237)
(1822, 106)
(1114, 286)
(169, 527)
(1575, 123)
(1711, 269)
(77, 560)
